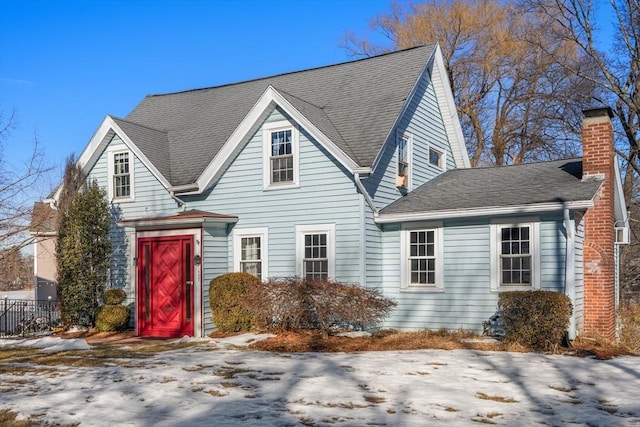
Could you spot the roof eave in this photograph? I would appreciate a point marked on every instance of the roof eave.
(172, 223)
(483, 211)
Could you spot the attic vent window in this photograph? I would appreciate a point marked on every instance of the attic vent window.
(436, 158)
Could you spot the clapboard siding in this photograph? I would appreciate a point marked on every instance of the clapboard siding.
(214, 264)
(326, 195)
(466, 299)
(150, 197)
(423, 121)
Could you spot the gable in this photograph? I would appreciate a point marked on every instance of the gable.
(359, 100)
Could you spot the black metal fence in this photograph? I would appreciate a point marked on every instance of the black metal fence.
(19, 317)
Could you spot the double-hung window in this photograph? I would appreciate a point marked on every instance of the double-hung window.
(250, 251)
(422, 255)
(515, 256)
(281, 155)
(316, 251)
(120, 166)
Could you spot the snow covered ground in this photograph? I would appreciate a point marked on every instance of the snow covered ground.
(218, 384)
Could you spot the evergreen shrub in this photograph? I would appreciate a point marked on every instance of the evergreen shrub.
(537, 319)
(114, 296)
(112, 316)
(226, 298)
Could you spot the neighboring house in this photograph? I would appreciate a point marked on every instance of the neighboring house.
(43, 228)
(357, 172)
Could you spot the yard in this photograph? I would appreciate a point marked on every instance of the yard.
(220, 382)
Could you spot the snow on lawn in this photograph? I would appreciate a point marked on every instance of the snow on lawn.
(21, 294)
(217, 384)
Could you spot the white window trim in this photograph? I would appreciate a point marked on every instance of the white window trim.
(443, 158)
(267, 129)
(405, 263)
(409, 149)
(263, 233)
(534, 247)
(111, 152)
(330, 230)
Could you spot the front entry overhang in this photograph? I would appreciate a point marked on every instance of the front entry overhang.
(185, 219)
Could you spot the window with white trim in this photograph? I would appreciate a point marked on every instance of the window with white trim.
(436, 158)
(315, 246)
(120, 170)
(250, 251)
(515, 256)
(422, 254)
(281, 155)
(403, 153)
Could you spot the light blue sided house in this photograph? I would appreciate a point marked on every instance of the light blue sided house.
(357, 172)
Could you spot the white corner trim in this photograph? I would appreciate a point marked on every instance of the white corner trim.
(263, 233)
(484, 211)
(268, 100)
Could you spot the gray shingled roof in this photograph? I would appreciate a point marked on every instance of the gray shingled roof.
(354, 103)
(516, 185)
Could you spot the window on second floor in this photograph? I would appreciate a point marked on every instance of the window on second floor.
(403, 153)
(281, 155)
(436, 158)
(120, 169)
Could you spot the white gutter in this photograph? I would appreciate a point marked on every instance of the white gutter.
(365, 194)
(484, 211)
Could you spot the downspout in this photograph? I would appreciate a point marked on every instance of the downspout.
(363, 236)
(365, 194)
(180, 202)
(570, 271)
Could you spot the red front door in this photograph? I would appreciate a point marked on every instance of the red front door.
(165, 286)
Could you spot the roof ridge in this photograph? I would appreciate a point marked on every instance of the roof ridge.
(520, 164)
(290, 72)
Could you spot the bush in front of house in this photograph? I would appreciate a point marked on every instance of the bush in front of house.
(114, 296)
(227, 301)
(297, 303)
(629, 315)
(112, 316)
(537, 319)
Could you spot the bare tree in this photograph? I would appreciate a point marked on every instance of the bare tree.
(515, 103)
(17, 183)
(617, 71)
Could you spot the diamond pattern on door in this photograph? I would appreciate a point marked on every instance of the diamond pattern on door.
(162, 286)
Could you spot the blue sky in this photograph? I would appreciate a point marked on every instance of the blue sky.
(65, 65)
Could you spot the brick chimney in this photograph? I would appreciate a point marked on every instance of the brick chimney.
(599, 240)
